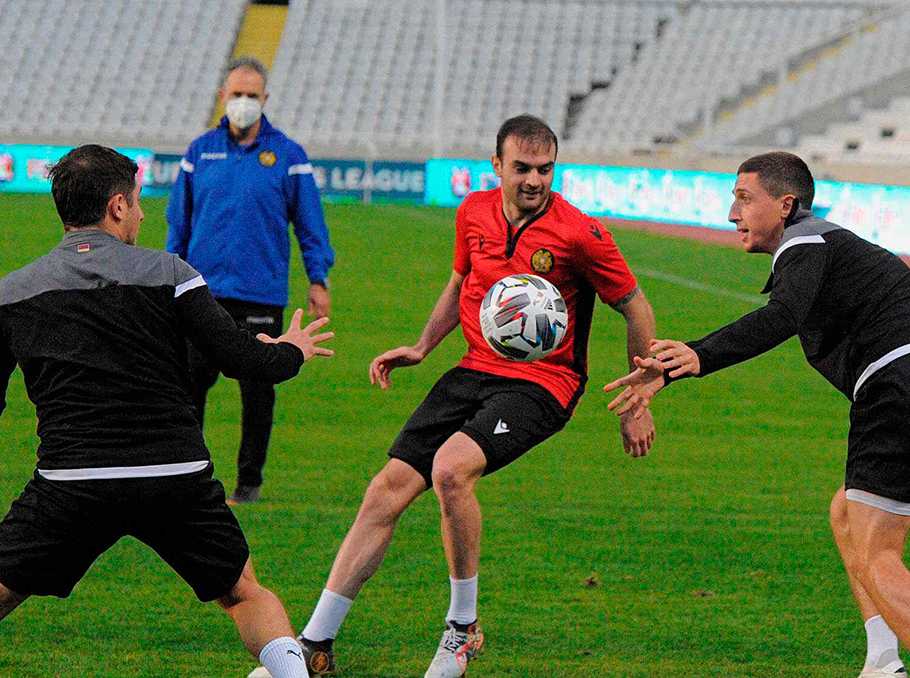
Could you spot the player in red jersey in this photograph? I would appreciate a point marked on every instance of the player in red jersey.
(487, 411)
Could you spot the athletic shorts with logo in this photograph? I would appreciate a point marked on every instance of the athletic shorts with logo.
(505, 417)
(56, 529)
(878, 450)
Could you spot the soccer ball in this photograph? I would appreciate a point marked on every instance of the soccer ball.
(523, 317)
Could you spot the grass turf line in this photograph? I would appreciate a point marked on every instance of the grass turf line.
(731, 503)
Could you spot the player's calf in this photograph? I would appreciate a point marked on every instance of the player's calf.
(9, 601)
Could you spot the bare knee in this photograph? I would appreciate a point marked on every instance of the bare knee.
(457, 467)
(449, 480)
(453, 478)
(246, 589)
(390, 492)
(837, 515)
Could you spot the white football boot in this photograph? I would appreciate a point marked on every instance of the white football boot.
(456, 649)
(890, 666)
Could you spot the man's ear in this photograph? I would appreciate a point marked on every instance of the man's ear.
(497, 165)
(787, 206)
(117, 206)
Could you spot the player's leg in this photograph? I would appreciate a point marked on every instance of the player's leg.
(881, 643)
(514, 417)
(878, 538)
(390, 492)
(50, 537)
(458, 466)
(197, 534)
(257, 406)
(877, 499)
(9, 601)
(257, 400)
(264, 627)
(406, 476)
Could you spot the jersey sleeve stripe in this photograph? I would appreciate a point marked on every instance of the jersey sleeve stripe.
(303, 168)
(874, 367)
(186, 165)
(801, 240)
(191, 284)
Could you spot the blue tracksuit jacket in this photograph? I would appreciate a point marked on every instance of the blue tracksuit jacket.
(228, 214)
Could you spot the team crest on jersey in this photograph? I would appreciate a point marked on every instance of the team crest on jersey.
(595, 231)
(267, 159)
(542, 261)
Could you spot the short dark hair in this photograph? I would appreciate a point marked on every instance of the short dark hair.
(779, 173)
(86, 178)
(248, 63)
(527, 128)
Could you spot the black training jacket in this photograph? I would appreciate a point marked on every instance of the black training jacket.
(99, 330)
(847, 299)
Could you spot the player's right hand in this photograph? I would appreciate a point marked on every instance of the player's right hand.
(382, 366)
(640, 386)
(304, 339)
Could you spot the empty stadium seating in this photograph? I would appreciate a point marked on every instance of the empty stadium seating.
(142, 72)
(361, 76)
(354, 72)
(880, 135)
(864, 70)
(710, 52)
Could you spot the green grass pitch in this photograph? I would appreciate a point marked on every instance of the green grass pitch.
(710, 557)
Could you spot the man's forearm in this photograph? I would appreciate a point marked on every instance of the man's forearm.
(444, 317)
(639, 326)
(235, 351)
(750, 336)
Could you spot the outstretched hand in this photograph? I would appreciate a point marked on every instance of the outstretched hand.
(643, 383)
(382, 366)
(304, 339)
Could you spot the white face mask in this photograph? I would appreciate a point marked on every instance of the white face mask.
(243, 112)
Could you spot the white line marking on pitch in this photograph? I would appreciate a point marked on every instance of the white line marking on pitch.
(417, 213)
(695, 285)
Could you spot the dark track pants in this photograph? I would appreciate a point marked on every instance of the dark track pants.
(257, 398)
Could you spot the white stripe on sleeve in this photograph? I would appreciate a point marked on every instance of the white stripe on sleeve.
(303, 168)
(191, 284)
(186, 165)
(874, 367)
(800, 240)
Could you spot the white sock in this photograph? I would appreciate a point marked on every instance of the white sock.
(880, 639)
(463, 603)
(330, 612)
(284, 659)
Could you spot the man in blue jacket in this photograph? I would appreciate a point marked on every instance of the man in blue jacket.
(239, 186)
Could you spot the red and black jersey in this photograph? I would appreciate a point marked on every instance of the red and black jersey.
(562, 244)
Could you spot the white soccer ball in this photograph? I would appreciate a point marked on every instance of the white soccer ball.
(523, 317)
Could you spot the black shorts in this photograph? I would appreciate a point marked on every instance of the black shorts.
(56, 529)
(505, 417)
(878, 452)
